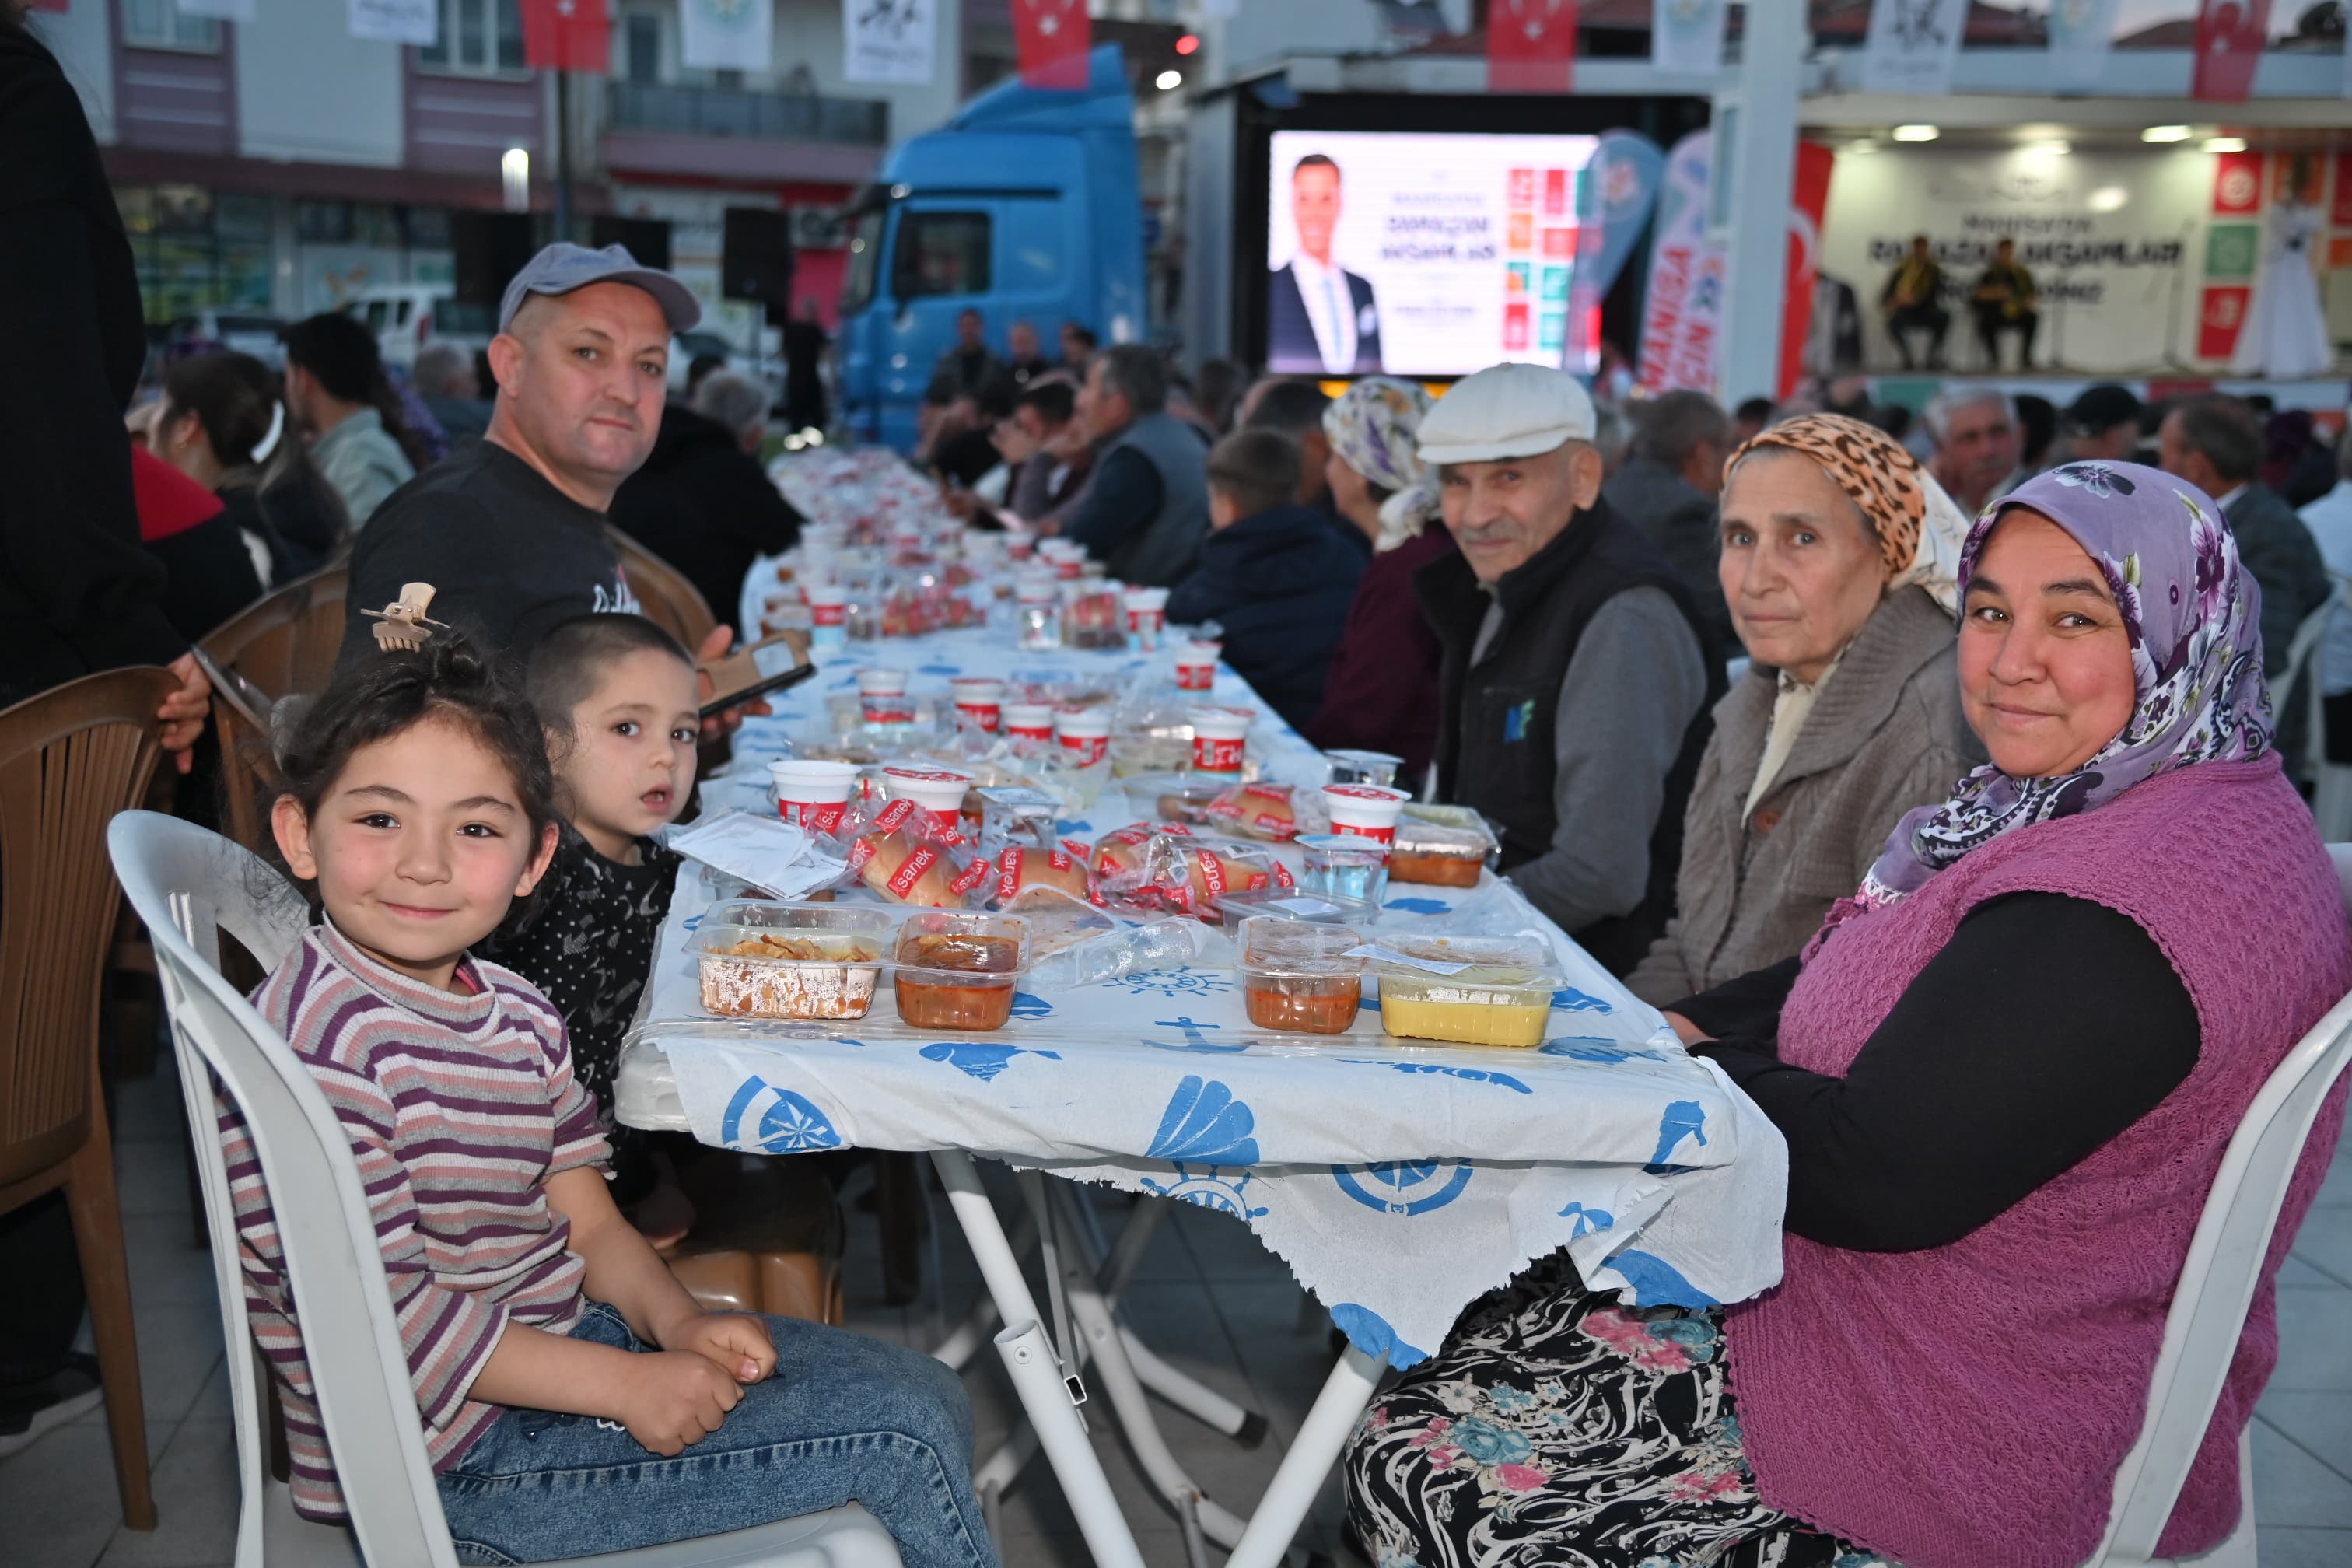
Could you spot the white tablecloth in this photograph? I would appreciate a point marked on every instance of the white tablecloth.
(1398, 1180)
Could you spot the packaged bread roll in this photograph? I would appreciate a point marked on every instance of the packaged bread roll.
(1019, 868)
(1258, 810)
(904, 855)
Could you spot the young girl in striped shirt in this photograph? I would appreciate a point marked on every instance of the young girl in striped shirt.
(574, 1398)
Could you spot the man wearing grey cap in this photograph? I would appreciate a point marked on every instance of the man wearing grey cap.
(1576, 678)
(510, 530)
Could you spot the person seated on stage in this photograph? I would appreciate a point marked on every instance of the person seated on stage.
(2002, 301)
(1913, 302)
(554, 1358)
(1577, 672)
(1839, 554)
(1275, 574)
(1996, 1161)
(616, 697)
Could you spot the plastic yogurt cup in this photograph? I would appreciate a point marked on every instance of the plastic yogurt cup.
(939, 791)
(812, 793)
(1028, 721)
(979, 703)
(1219, 735)
(1365, 811)
(1083, 732)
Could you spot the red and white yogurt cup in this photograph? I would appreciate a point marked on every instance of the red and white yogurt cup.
(1028, 721)
(1083, 732)
(812, 793)
(1147, 616)
(882, 697)
(1196, 667)
(828, 614)
(1017, 546)
(979, 703)
(1219, 735)
(1365, 811)
(939, 791)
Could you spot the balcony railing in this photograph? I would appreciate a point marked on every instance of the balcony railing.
(755, 116)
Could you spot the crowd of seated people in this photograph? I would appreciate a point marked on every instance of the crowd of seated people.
(1822, 727)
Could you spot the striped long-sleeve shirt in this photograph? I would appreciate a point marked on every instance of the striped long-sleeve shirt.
(458, 1109)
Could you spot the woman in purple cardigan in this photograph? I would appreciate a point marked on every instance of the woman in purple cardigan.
(1381, 693)
(1995, 1160)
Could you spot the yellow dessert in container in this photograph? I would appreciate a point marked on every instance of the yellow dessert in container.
(1466, 991)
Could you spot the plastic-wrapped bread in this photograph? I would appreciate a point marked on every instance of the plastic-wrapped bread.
(1258, 810)
(906, 857)
(1019, 868)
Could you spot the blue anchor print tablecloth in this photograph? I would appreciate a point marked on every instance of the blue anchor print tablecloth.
(1398, 1180)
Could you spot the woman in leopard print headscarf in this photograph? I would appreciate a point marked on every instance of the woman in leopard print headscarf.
(1839, 563)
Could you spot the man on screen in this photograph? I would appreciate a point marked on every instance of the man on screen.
(1319, 316)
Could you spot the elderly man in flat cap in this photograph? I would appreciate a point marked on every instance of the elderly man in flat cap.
(1576, 678)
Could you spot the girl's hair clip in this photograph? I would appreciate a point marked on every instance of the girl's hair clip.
(402, 625)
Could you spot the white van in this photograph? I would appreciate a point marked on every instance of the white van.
(404, 316)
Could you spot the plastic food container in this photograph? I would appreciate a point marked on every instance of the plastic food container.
(764, 960)
(1056, 921)
(1219, 735)
(957, 969)
(1173, 796)
(1499, 992)
(1348, 766)
(1299, 977)
(939, 791)
(1291, 904)
(1444, 846)
(812, 793)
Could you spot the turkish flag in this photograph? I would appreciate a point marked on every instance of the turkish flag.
(567, 36)
(2230, 37)
(1808, 199)
(1531, 46)
(1052, 37)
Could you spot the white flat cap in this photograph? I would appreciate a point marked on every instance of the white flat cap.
(1507, 411)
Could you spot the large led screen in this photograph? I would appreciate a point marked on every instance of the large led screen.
(1416, 253)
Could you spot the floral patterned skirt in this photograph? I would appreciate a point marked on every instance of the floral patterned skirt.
(1559, 1428)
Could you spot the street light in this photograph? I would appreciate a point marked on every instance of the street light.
(2165, 133)
(514, 173)
(1915, 133)
(1169, 80)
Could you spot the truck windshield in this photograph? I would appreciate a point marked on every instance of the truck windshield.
(865, 260)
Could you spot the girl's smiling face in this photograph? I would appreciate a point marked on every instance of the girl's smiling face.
(419, 847)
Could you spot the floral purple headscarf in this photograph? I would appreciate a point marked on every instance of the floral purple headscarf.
(2193, 614)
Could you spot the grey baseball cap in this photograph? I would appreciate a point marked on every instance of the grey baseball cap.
(563, 266)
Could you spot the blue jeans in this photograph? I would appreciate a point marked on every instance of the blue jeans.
(843, 1418)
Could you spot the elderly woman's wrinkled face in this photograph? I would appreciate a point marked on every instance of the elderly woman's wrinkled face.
(1801, 569)
(2045, 663)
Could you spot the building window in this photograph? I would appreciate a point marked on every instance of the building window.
(161, 25)
(641, 47)
(940, 253)
(477, 37)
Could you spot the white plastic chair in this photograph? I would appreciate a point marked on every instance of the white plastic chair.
(2331, 782)
(2217, 1288)
(189, 884)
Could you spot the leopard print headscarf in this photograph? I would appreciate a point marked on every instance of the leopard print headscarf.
(1920, 527)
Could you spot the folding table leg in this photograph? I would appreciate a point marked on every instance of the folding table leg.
(1320, 1438)
(1036, 1376)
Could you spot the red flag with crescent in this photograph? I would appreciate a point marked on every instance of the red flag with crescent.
(567, 36)
(1051, 38)
(2230, 38)
(1531, 46)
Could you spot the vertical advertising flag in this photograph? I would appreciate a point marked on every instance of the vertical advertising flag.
(567, 36)
(1683, 310)
(726, 34)
(2082, 34)
(2230, 37)
(1686, 36)
(416, 22)
(1913, 45)
(890, 42)
(1051, 38)
(1531, 46)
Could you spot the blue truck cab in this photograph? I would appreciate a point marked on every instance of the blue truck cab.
(1025, 207)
